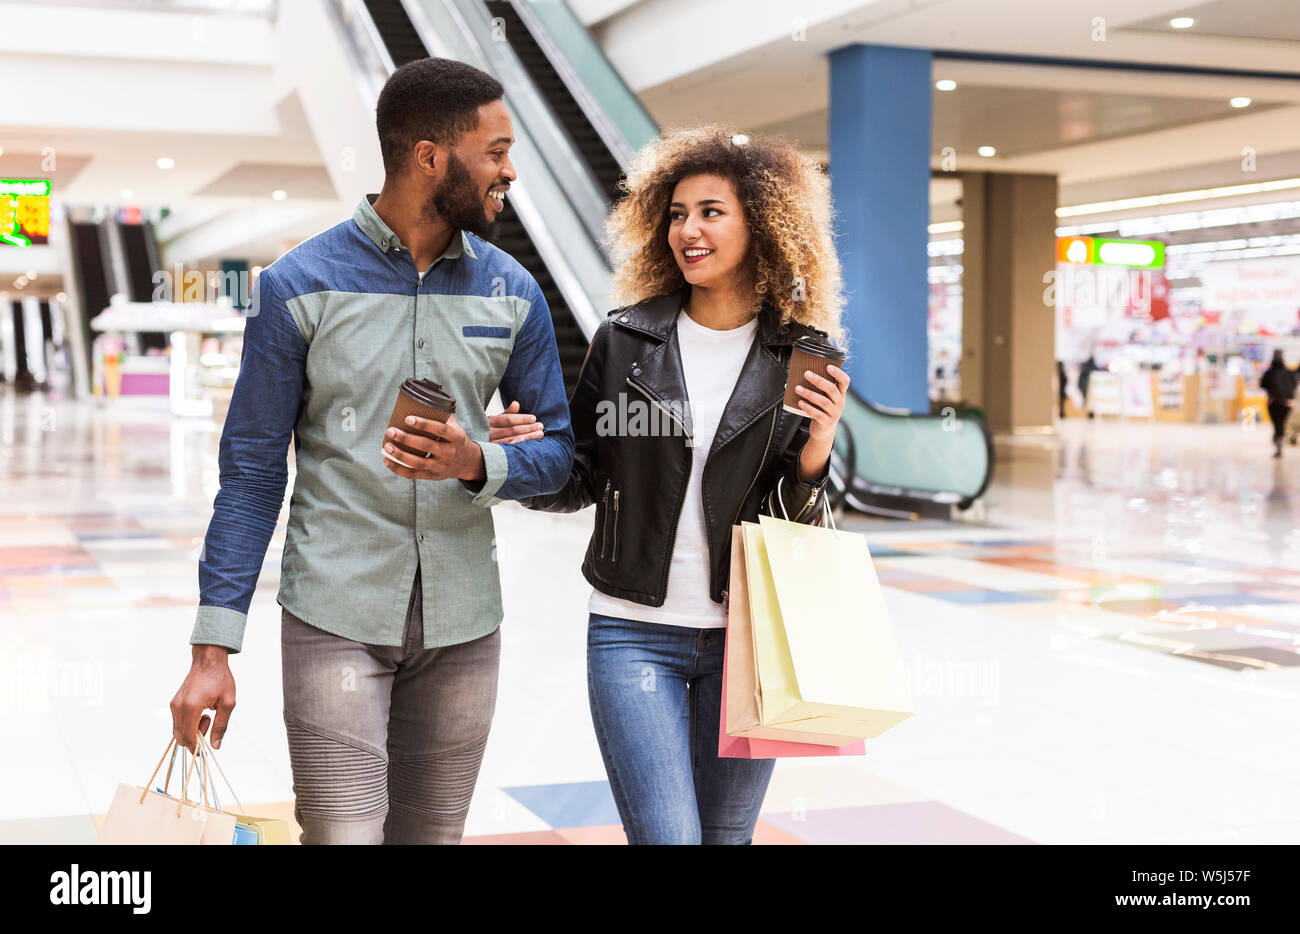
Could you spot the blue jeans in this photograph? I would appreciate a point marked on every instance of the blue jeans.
(656, 696)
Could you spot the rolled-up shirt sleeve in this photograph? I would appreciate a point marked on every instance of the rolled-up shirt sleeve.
(533, 378)
(253, 466)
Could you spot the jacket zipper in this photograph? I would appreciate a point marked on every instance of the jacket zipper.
(613, 559)
(681, 500)
(806, 506)
(776, 413)
(604, 518)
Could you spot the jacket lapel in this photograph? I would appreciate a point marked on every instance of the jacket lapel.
(762, 379)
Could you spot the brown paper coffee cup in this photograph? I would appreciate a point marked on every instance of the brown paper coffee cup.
(408, 404)
(808, 354)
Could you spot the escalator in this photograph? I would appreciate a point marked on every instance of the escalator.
(91, 273)
(542, 70)
(139, 255)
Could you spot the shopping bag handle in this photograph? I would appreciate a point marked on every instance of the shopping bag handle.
(184, 799)
(209, 754)
(157, 768)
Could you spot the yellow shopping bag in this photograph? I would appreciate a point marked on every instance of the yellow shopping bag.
(741, 684)
(826, 657)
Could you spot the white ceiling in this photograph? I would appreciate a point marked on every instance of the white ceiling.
(1107, 133)
(236, 134)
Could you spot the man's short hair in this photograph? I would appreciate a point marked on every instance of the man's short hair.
(430, 98)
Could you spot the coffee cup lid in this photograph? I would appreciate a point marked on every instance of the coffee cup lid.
(429, 393)
(819, 347)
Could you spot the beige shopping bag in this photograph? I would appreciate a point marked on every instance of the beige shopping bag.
(827, 660)
(143, 815)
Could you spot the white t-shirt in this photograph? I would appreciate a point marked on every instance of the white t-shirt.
(711, 361)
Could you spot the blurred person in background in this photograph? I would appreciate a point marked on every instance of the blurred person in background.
(1280, 383)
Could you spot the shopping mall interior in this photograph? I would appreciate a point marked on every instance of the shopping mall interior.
(1070, 240)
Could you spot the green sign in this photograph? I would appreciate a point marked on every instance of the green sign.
(1136, 254)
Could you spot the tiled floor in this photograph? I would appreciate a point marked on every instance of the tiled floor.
(1113, 657)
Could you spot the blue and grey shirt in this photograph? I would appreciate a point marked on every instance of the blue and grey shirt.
(335, 326)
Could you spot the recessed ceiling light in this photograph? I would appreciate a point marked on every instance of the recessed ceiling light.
(127, 194)
(20, 282)
(255, 271)
(278, 194)
(987, 151)
(61, 297)
(166, 162)
(1182, 22)
(31, 274)
(1240, 102)
(946, 84)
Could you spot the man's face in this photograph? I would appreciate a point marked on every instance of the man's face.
(476, 174)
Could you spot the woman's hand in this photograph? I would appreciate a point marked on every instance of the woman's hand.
(510, 427)
(824, 407)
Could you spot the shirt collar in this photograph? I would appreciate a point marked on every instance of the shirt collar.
(373, 226)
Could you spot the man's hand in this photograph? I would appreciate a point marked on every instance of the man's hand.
(510, 427)
(449, 455)
(208, 686)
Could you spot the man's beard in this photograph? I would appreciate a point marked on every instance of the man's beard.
(457, 202)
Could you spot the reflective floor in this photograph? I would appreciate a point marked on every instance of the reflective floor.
(1112, 656)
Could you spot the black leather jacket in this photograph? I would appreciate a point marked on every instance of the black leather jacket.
(638, 480)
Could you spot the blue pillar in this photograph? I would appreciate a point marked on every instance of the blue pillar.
(880, 182)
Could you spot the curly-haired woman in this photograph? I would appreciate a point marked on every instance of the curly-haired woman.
(725, 258)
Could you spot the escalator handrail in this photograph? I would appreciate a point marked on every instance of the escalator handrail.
(370, 54)
(846, 468)
(864, 485)
(609, 132)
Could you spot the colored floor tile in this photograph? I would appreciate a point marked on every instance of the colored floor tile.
(573, 804)
(907, 823)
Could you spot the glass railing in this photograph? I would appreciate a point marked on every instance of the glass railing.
(944, 458)
(617, 114)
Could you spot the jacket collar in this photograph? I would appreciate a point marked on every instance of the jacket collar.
(657, 317)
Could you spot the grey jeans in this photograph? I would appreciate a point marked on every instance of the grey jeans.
(385, 741)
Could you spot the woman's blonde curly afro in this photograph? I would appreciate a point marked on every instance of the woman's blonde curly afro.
(786, 200)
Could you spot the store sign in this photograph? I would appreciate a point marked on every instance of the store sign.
(24, 211)
(1265, 291)
(1098, 251)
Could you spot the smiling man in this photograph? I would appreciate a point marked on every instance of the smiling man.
(389, 586)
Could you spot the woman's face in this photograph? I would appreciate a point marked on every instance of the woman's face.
(707, 231)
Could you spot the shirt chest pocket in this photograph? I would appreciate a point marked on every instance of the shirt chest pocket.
(486, 349)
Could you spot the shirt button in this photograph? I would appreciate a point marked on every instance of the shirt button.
(624, 318)
(421, 537)
(636, 371)
(420, 342)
